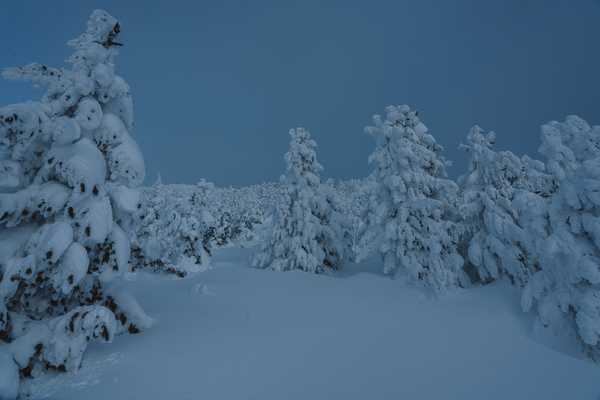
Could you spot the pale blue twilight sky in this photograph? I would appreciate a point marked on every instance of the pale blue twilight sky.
(217, 84)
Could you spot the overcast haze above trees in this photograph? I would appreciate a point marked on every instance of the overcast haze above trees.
(234, 76)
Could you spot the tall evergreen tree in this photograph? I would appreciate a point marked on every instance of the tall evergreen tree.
(303, 236)
(503, 205)
(413, 205)
(68, 169)
(565, 292)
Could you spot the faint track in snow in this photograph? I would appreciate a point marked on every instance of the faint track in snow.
(89, 374)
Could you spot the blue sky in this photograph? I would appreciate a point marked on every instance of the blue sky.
(217, 84)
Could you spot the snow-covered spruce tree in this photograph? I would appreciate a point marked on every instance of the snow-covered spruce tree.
(302, 236)
(504, 202)
(413, 206)
(566, 291)
(68, 168)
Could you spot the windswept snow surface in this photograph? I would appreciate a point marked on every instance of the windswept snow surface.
(235, 332)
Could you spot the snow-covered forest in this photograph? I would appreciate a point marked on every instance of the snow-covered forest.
(498, 270)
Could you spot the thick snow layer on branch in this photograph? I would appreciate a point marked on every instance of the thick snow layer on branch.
(126, 164)
(10, 175)
(72, 332)
(92, 218)
(50, 242)
(9, 376)
(73, 268)
(34, 203)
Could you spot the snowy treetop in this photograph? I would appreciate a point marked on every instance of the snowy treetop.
(301, 159)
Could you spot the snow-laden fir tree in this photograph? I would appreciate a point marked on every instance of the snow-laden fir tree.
(413, 206)
(304, 235)
(503, 204)
(566, 291)
(68, 169)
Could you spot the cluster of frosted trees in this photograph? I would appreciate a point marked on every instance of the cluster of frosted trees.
(72, 220)
(537, 224)
(178, 227)
(533, 223)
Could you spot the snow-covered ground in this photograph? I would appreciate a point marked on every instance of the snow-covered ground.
(235, 332)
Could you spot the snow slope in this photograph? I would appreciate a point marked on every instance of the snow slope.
(239, 333)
